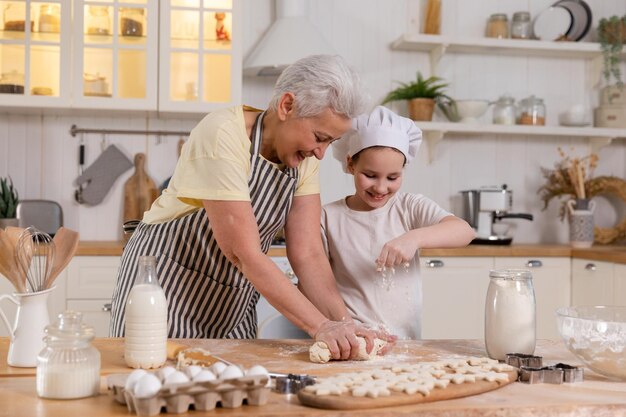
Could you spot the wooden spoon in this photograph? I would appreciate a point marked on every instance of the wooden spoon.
(8, 263)
(66, 243)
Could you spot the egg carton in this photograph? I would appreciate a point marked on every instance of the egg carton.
(204, 396)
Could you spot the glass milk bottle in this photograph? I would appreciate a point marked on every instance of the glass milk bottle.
(510, 313)
(146, 319)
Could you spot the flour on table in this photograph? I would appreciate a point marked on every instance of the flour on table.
(319, 352)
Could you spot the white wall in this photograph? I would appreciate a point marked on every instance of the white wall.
(41, 155)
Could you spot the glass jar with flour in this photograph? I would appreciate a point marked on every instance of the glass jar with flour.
(510, 313)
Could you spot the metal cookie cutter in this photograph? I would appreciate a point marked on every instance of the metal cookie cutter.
(521, 359)
(531, 375)
(551, 374)
(571, 373)
(291, 383)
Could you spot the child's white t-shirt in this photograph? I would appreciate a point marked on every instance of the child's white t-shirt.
(353, 240)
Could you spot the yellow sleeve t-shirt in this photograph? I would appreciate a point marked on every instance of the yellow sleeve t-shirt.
(215, 165)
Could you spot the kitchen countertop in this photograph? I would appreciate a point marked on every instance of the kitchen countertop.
(598, 253)
(595, 396)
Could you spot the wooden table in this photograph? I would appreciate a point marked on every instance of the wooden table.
(596, 397)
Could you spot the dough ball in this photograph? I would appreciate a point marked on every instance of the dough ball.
(319, 352)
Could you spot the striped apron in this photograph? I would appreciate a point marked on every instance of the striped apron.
(207, 296)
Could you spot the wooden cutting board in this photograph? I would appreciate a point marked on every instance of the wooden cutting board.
(139, 191)
(349, 402)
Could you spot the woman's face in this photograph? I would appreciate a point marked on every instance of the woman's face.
(303, 137)
(377, 177)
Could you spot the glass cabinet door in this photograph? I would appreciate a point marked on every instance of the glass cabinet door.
(34, 44)
(115, 59)
(200, 55)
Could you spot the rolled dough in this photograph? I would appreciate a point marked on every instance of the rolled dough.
(319, 352)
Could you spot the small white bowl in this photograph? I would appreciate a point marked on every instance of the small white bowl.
(470, 111)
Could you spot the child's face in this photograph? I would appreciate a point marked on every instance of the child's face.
(377, 176)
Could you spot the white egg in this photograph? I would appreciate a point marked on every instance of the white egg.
(204, 375)
(176, 378)
(147, 386)
(193, 370)
(132, 379)
(164, 372)
(231, 371)
(257, 370)
(217, 368)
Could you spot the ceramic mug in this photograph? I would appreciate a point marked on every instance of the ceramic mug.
(580, 225)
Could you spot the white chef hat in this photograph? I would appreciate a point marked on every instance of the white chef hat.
(381, 127)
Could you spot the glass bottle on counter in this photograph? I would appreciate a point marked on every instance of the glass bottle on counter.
(497, 26)
(69, 366)
(510, 313)
(520, 26)
(532, 111)
(146, 319)
(504, 112)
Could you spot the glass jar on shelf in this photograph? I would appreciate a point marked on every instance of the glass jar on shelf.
(98, 21)
(532, 111)
(69, 366)
(520, 26)
(49, 18)
(504, 111)
(12, 83)
(132, 21)
(14, 15)
(497, 26)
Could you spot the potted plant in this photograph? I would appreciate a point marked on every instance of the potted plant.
(421, 95)
(8, 203)
(612, 36)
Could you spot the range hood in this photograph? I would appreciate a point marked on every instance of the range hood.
(291, 37)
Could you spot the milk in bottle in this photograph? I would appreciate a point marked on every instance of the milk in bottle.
(146, 319)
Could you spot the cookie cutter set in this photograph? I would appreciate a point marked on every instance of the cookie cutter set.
(532, 370)
(291, 383)
(205, 396)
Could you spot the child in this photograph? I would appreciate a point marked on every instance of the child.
(372, 237)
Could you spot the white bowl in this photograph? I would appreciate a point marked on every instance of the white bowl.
(470, 110)
(597, 336)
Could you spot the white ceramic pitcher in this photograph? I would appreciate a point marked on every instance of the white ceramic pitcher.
(28, 330)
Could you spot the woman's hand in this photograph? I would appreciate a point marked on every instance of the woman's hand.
(340, 337)
(397, 251)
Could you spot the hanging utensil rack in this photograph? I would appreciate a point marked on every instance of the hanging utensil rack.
(74, 130)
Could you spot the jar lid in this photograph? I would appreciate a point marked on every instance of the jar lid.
(506, 99)
(498, 16)
(70, 326)
(512, 274)
(523, 16)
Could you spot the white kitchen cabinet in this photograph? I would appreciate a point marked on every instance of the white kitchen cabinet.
(90, 284)
(592, 282)
(56, 301)
(551, 280)
(33, 56)
(454, 291)
(619, 284)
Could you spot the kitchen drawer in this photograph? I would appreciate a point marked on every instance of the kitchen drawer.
(92, 277)
(96, 313)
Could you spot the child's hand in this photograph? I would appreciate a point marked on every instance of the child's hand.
(398, 251)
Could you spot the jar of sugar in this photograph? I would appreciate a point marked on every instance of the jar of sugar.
(69, 366)
(510, 313)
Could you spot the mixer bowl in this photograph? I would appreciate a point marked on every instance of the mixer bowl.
(597, 336)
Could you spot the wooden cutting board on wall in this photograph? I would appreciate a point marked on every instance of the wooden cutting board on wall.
(139, 191)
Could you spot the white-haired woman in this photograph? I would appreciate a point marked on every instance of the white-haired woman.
(243, 175)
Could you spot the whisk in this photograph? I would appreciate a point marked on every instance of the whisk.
(35, 256)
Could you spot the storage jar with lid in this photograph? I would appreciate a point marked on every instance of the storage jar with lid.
(497, 26)
(14, 16)
(132, 21)
(49, 18)
(98, 21)
(504, 111)
(69, 366)
(510, 313)
(12, 83)
(520, 26)
(532, 111)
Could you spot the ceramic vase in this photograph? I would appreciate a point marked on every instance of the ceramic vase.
(581, 222)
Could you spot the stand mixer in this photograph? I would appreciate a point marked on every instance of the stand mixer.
(485, 206)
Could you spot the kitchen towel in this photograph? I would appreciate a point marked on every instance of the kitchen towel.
(98, 179)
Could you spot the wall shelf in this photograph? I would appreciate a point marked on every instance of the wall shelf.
(598, 137)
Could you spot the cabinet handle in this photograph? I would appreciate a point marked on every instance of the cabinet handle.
(106, 307)
(434, 263)
(534, 263)
(590, 267)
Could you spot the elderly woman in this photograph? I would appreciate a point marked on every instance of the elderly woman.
(243, 175)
